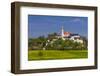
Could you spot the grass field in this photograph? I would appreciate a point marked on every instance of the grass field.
(56, 54)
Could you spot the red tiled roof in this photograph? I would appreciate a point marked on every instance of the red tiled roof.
(67, 33)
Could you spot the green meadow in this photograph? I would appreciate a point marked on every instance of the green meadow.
(56, 54)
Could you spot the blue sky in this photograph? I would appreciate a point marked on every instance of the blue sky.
(39, 25)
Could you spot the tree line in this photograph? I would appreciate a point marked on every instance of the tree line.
(52, 43)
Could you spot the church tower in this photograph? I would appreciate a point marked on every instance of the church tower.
(62, 32)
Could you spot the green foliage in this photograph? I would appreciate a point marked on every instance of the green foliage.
(60, 44)
(55, 43)
(52, 36)
(37, 43)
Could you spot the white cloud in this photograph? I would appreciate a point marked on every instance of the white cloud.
(76, 20)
